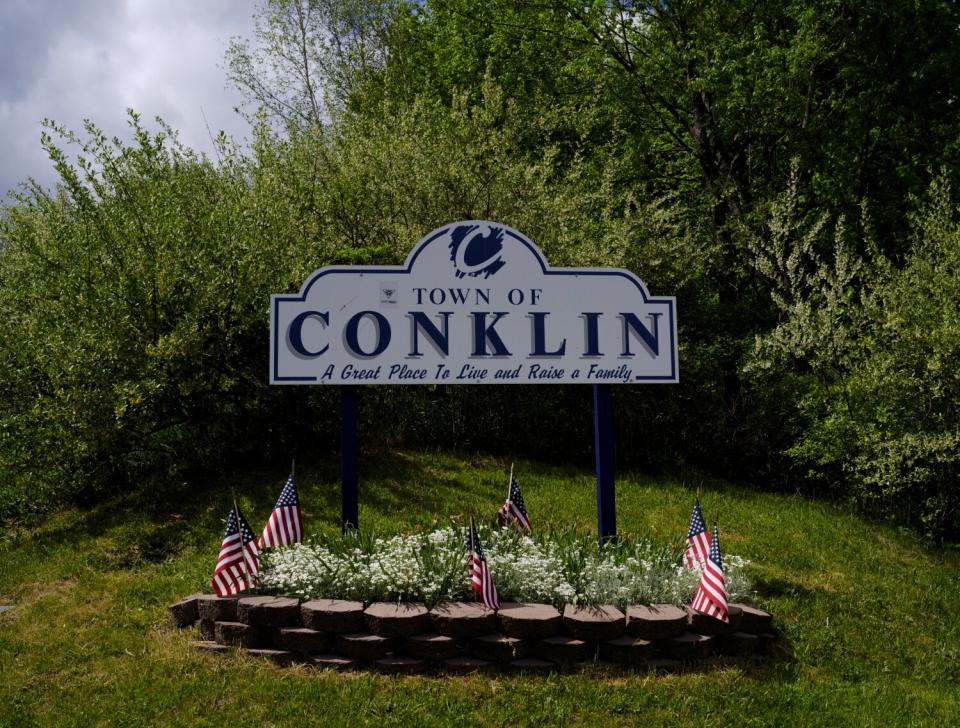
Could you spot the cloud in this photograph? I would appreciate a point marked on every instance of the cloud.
(94, 59)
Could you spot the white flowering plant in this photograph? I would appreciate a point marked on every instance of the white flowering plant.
(431, 567)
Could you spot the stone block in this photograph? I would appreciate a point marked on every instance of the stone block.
(705, 624)
(336, 616)
(532, 665)
(593, 623)
(238, 634)
(529, 621)
(332, 662)
(626, 650)
(737, 644)
(364, 646)
(401, 665)
(689, 646)
(209, 646)
(753, 620)
(562, 649)
(656, 621)
(280, 658)
(499, 648)
(207, 629)
(463, 619)
(301, 639)
(429, 646)
(217, 609)
(266, 611)
(184, 613)
(389, 619)
(465, 665)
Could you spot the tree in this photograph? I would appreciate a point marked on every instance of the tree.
(308, 56)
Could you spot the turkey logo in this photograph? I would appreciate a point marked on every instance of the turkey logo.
(474, 253)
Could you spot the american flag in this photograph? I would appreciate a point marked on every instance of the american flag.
(514, 511)
(285, 525)
(711, 597)
(238, 565)
(698, 540)
(480, 578)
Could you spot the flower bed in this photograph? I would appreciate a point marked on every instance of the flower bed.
(557, 569)
(404, 604)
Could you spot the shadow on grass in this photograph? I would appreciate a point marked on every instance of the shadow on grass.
(160, 519)
(394, 483)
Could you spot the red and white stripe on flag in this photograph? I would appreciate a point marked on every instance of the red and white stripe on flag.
(711, 596)
(284, 527)
(238, 564)
(519, 517)
(483, 583)
(236, 567)
(509, 514)
(698, 546)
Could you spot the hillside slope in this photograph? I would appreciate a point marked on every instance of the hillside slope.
(871, 630)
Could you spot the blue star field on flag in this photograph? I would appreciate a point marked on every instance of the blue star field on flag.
(514, 511)
(698, 539)
(285, 525)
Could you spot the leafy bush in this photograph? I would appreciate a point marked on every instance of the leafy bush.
(133, 321)
(879, 350)
(133, 316)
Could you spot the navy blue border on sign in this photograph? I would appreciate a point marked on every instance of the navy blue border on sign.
(407, 267)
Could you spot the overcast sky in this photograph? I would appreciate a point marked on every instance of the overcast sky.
(73, 59)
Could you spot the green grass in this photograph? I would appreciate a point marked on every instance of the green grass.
(871, 630)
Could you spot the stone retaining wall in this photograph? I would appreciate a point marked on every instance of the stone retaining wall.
(459, 637)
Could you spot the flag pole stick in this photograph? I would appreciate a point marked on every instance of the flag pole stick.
(470, 559)
(243, 546)
(470, 539)
(510, 481)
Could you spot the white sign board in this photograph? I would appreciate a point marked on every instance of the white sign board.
(475, 303)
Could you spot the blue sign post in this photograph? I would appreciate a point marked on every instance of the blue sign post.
(475, 303)
(604, 453)
(349, 459)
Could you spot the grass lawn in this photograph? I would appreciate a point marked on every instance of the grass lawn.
(871, 626)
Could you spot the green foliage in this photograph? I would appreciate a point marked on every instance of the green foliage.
(307, 57)
(132, 325)
(882, 347)
(652, 136)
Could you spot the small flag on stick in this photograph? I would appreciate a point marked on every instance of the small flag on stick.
(698, 540)
(480, 578)
(711, 597)
(285, 525)
(514, 511)
(238, 564)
